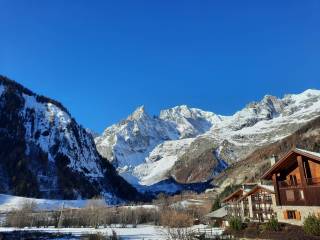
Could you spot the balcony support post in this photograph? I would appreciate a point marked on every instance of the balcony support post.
(302, 177)
(276, 189)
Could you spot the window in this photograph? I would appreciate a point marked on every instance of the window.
(268, 197)
(291, 214)
(293, 180)
(290, 195)
(301, 194)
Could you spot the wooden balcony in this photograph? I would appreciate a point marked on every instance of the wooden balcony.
(313, 181)
(265, 200)
(289, 184)
(262, 207)
(298, 184)
(300, 196)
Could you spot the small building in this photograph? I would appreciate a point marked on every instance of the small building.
(296, 180)
(218, 217)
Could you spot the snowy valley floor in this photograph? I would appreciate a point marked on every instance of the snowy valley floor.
(145, 232)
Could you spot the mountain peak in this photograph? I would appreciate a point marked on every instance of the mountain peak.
(269, 97)
(184, 106)
(139, 113)
(181, 110)
(311, 92)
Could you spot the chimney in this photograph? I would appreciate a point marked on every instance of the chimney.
(273, 159)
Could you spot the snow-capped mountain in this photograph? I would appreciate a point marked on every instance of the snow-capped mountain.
(133, 145)
(45, 153)
(128, 143)
(191, 145)
(190, 122)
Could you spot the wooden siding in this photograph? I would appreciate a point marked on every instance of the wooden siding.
(262, 205)
(298, 184)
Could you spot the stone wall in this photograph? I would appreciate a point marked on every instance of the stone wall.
(304, 211)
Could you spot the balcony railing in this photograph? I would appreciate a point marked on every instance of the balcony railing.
(297, 184)
(289, 184)
(266, 199)
(313, 181)
(268, 209)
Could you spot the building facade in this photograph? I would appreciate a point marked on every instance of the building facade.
(232, 204)
(252, 204)
(258, 204)
(296, 181)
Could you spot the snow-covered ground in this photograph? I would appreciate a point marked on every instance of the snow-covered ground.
(145, 232)
(9, 202)
(188, 203)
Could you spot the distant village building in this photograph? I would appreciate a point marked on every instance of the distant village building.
(254, 203)
(257, 204)
(219, 217)
(232, 203)
(296, 180)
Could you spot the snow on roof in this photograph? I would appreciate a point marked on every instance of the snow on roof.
(235, 193)
(219, 213)
(309, 152)
(268, 187)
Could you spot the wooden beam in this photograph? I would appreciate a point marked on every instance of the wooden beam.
(302, 177)
(276, 188)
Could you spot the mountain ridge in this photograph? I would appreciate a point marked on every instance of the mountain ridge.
(197, 135)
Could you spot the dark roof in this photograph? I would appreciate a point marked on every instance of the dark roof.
(235, 193)
(283, 162)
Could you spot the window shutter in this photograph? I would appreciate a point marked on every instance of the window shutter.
(285, 214)
(298, 215)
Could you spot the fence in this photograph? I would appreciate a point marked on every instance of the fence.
(209, 233)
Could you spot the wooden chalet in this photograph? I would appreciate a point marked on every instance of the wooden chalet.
(296, 180)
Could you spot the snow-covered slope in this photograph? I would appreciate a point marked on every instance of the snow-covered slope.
(268, 120)
(45, 153)
(46, 125)
(129, 142)
(148, 150)
(190, 122)
(160, 161)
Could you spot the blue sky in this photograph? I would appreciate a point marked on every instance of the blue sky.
(102, 59)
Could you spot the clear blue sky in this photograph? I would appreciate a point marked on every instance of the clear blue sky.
(102, 59)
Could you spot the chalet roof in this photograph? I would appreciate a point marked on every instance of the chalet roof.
(236, 193)
(316, 154)
(268, 188)
(284, 160)
(219, 213)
